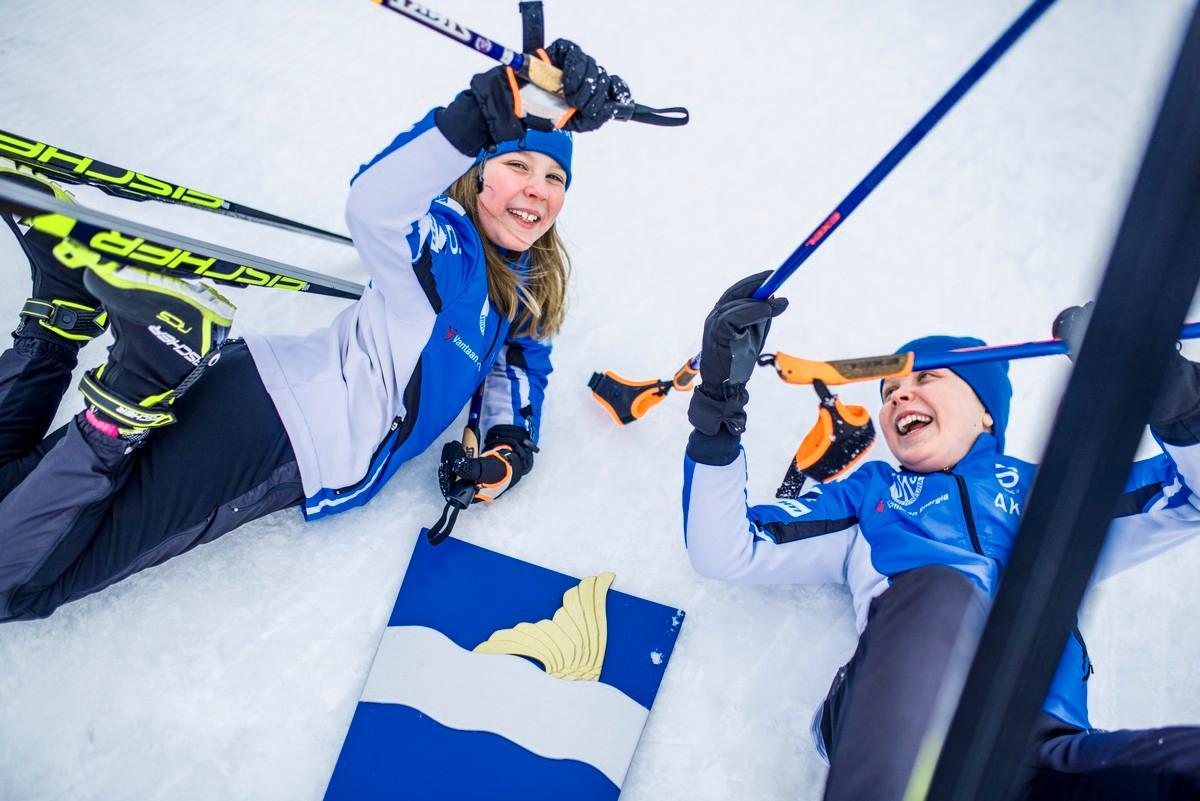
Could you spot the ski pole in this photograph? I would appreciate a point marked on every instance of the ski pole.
(539, 73)
(606, 386)
(462, 490)
(63, 165)
(163, 251)
(795, 370)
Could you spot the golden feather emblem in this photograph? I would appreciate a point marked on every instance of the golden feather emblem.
(570, 645)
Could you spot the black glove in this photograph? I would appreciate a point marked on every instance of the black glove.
(482, 115)
(587, 87)
(1179, 394)
(734, 333)
(1070, 324)
(507, 456)
(485, 114)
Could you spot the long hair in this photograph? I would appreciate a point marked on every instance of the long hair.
(541, 294)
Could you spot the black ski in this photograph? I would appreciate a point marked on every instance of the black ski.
(154, 249)
(63, 165)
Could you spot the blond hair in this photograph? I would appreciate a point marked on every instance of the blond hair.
(540, 295)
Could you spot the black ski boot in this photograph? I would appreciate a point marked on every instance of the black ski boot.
(166, 331)
(61, 310)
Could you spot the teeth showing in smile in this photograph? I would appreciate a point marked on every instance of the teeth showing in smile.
(527, 216)
(905, 423)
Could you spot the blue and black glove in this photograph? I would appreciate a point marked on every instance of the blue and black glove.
(1178, 398)
(734, 334)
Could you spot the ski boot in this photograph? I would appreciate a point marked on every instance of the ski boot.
(61, 310)
(167, 333)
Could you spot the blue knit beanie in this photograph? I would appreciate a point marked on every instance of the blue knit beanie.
(558, 145)
(988, 379)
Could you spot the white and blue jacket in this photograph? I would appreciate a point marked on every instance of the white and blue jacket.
(393, 370)
(880, 522)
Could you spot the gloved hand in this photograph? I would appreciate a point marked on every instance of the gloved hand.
(1070, 324)
(1178, 395)
(482, 115)
(506, 458)
(587, 87)
(486, 114)
(734, 334)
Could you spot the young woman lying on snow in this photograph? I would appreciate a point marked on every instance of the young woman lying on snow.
(467, 285)
(922, 550)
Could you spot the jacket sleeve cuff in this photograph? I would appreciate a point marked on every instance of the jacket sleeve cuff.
(717, 449)
(516, 438)
(1175, 415)
(1181, 432)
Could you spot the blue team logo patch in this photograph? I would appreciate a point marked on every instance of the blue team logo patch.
(906, 488)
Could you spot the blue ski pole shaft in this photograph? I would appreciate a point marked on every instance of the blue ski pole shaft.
(910, 140)
(540, 73)
(881, 170)
(1000, 353)
(795, 370)
(894, 156)
(459, 33)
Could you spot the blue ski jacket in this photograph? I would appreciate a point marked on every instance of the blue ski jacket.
(881, 521)
(394, 370)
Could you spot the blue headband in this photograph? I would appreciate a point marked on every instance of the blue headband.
(558, 145)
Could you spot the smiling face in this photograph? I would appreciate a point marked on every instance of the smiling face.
(930, 419)
(521, 197)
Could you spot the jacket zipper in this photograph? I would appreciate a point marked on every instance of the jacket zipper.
(495, 336)
(396, 424)
(966, 506)
(1087, 668)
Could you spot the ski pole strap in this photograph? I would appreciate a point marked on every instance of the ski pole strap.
(458, 498)
(444, 525)
(838, 441)
(627, 400)
(671, 117)
(533, 32)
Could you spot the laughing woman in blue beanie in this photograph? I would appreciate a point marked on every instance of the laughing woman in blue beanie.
(455, 224)
(922, 549)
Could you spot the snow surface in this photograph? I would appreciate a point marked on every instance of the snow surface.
(232, 672)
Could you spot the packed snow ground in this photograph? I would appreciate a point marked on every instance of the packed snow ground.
(232, 672)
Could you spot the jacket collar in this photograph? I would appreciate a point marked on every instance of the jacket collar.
(984, 448)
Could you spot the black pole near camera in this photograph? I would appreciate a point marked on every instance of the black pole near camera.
(1148, 285)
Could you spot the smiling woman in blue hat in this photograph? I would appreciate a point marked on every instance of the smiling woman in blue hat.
(455, 224)
(922, 548)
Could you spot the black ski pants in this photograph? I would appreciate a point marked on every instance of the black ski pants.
(79, 510)
(882, 701)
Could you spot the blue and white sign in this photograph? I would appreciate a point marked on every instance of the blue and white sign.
(496, 678)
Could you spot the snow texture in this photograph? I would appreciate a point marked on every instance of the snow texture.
(232, 672)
